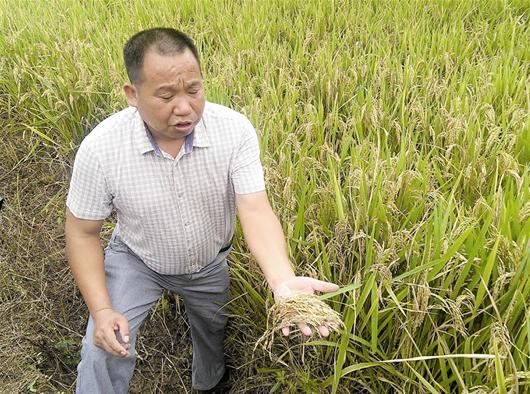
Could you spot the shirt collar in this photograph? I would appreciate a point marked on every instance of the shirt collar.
(200, 136)
(140, 137)
(145, 142)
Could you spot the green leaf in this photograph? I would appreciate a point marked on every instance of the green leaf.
(342, 290)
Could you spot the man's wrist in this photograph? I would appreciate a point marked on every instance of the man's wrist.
(275, 283)
(101, 309)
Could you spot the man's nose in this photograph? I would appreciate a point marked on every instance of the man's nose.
(181, 106)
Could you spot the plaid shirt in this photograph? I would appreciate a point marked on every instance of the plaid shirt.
(174, 213)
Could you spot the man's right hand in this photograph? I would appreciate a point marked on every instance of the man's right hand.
(107, 322)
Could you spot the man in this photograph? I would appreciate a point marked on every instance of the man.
(175, 168)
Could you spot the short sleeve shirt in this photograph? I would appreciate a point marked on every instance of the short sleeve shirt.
(176, 214)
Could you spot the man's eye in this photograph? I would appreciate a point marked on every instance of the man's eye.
(194, 91)
(166, 97)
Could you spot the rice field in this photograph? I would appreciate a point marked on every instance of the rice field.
(395, 138)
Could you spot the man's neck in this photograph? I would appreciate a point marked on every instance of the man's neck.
(171, 147)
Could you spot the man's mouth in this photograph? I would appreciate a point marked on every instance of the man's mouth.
(183, 125)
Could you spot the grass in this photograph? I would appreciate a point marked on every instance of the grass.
(396, 142)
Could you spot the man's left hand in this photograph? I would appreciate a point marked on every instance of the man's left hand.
(303, 284)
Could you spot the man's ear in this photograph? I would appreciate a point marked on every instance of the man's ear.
(130, 93)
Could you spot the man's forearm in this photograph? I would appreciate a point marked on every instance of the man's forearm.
(85, 256)
(266, 241)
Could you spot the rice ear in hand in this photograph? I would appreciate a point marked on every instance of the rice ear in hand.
(305, 308)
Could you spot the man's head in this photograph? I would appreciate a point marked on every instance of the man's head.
(165, 82)
(162, 40)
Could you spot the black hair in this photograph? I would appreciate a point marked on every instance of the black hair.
(163, 40)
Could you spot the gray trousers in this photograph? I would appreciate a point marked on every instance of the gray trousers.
(133, 289)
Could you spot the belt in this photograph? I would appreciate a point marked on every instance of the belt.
(224, 249)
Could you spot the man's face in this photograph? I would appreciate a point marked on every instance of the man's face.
(170, 96)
